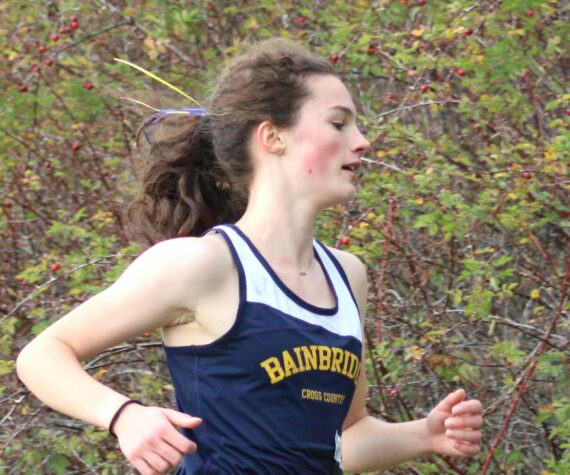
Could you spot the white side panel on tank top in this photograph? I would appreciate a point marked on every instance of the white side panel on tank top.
(261, 288)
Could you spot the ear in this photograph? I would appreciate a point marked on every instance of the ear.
(269, 139)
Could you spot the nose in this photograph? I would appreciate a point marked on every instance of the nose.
(361, 145)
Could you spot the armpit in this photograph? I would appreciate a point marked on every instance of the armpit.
(181, 317)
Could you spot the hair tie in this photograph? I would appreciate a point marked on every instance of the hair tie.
(160, 114)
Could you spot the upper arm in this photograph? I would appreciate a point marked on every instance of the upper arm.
(164, 280)
(356, 273)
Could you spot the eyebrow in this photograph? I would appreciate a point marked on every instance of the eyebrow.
(344, 109)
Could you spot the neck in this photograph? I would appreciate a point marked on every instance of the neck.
(281, 228)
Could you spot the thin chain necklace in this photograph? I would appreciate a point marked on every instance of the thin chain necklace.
(305, 272)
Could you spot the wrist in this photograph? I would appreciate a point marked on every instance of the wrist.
(122, 408)
(423, 436)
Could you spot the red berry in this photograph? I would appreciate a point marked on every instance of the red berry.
(73, 19)
(211, 7)
(334, 58)
(42, 49)
(104, 173)
(460, 72)
(300, 20)
(526, 175)
(372, 50)
(75, 146)
(63, 30)
(55, 37)
(422, 2)
(568, 112)
(74, 25)
(7, 234)
(424, 88)
(20, 279)
(147, 334)
(468, 32)
(48, 62)
(55, 267)
(89, 86)
(7, 204)
(390, 97)
(530, 12)
(47, 165)
(392, 392)
(345, 241)
(22, 88)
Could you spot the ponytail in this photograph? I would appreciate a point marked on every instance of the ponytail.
(185, 190)
(199, 163)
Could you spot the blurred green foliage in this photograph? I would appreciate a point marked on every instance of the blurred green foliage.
(462, 215)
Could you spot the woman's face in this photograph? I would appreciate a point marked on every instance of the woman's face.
(324, 147)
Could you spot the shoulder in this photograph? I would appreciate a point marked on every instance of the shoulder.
(179, 252)
(353, 267)
(183, 264)
(355, 271)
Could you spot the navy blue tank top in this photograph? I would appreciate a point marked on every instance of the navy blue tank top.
(274, 390)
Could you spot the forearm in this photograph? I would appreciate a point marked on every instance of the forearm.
(371, 445)
(52, 372)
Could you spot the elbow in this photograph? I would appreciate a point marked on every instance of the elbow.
(24, 362)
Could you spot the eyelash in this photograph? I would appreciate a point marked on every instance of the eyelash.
(338, 125)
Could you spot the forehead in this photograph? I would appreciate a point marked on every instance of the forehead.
(326, 93)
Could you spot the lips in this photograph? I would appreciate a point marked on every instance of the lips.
(352, 167)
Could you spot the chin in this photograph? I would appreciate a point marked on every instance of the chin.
(346, 197)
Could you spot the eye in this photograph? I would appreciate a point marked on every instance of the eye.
(338, 125)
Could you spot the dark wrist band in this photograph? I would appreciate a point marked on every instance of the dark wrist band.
(118, 413)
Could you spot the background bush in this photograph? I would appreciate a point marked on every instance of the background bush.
(462, 216)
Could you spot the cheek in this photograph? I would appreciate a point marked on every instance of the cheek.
(318, 157)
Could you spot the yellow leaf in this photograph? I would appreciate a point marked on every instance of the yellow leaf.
(484, 250)
(102, 216)
(550, 156)
(149, 43)
(419, 201)
(380, 154)
(556, 40)
(100, 373)
(418, 32)
(449, 34)
(535, 294)
(519, 32)
(415, 353)
(512, 196)
(252, 23)
(153, 54)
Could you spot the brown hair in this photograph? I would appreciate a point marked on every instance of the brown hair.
(199, 168)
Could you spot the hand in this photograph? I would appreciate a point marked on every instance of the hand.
(454, 425)
(149, 438)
